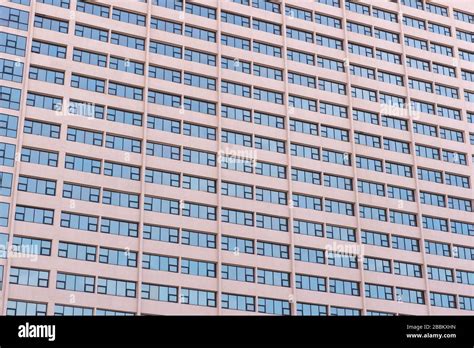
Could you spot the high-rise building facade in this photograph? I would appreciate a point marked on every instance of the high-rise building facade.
(236, 157)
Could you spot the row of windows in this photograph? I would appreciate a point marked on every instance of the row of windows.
(228, 87)
(228, 301)
(209, 12)
(137, 43)
(228, 272)
(246, 218)
(12, 96)
(169, 206)
(97, 111)
(90, 223)
(167, 151)
(437, 29)
(237, 245)
(13, 18)
(116, 287)
(94, 166)
(202, 268)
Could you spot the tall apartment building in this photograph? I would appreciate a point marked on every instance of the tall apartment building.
(237, 157)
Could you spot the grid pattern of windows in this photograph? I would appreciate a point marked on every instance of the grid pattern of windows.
(150, 160)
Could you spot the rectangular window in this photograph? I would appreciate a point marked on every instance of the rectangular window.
(339, 182)
(74, 251)
(375, 238)
(159, 293)
(237, 42)
(271, 222)
(25, 307)
(88, 57)
(237, 244)
(128, 17)
(331, 64)
(120, 227)
(116, 287)
(82, 164)
(51, 24)
(200, 57)
(309, 255)
(328, 21)
(118, 257)
(343, 287)
(274, 278)
(121, 171)
(405, 243)
(199, 33)
(272, 250)
(407, 269)
(91, 33)
(378, 291)
(198, 268)
(389, 57)
(199, 211)
(92, 8)
(160, 233)
(117, 142)
(373, 213)
(442, 300)
(36, 185)
(238, 302)
(29, 277)
(165, 49)
(48, 49)
(410, 296)
(301, 35)
(79, 222)
(385, 15)
(198, 297)
(294, 12)
(44, 129)
(200, 184)
(329, 42)
(307, 202)
(302, 103)
(126, 65)
(312, 283)
(371, 188)
(12, 44)
(162, 177)
(161, 205)
(34, 215)
(6, 183)
(126, 91)
(397, 217)
(441, 274)
(299, 56)
(11, 70)
(127, 41)
(359, 28)
(238, 273)
(441, 49)
(120, 199)
(360, 50)
(10, 98)
(32, 245)
(198, 239)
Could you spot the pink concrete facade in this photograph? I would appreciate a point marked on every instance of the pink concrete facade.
(300, 287)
